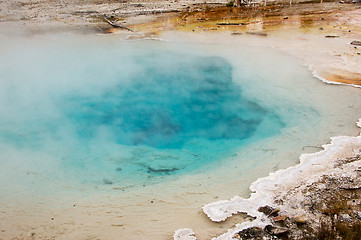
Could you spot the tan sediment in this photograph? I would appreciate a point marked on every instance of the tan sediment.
(320, 34)
(342, 76)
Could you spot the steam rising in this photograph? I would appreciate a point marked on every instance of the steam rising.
(130, 107)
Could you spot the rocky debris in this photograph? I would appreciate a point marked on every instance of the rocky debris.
(356, 43)
(279, 218)
(270, 232)
(346, 217)
(88, 14)
(333, 200)
(276, 230)
(253, 233)
(350, 185)
(269, 211)
(328, 204)
(115, 24)
(300, 219)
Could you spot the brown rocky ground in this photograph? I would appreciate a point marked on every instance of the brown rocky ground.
(84, 15)
(333, 202)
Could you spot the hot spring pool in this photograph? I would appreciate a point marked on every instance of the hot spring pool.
(124, 113)
(180, 121)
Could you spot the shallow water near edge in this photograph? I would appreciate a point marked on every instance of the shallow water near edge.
(149, 115)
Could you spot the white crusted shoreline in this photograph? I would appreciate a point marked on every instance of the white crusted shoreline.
(281, 183)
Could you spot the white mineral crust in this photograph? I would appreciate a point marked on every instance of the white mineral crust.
(184, 234)
(278, 185)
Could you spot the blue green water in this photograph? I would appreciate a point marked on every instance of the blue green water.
(127, 113)
(174, 100)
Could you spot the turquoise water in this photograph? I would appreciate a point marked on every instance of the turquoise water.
(123, 112)
(172, 125)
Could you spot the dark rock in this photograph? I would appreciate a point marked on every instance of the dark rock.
(265, 209)
(277, 231)
(251, 233)
(285, 18)
(269, 211)
(236, 33)
(321, 28)
(331, 36)
(279, 218)
(356, 43)
(119, 169)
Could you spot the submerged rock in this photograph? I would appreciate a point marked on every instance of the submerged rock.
(164, 171)
(257, 34)
(107, 181)
(356, 43)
